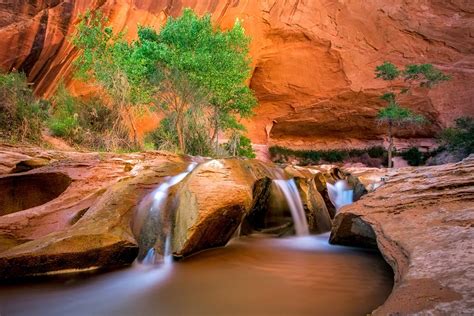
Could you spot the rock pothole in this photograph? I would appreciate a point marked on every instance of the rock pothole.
(23, 191)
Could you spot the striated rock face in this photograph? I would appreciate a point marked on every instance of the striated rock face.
(313, 60)
(422, 221)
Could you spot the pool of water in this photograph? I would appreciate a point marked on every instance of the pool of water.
(250, 276)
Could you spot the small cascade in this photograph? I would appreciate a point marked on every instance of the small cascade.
(150, 221)
(340, 194)
(292, 196)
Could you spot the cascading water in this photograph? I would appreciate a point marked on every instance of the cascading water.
(278, 273)
(340, 194)
(292, 196)
(150, 220)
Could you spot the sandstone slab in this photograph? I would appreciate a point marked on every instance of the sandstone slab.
(422, 220)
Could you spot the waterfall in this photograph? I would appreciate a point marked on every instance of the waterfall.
(292, 196)
(150, 220)
(340, 194)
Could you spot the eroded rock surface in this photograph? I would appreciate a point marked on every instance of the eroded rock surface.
(422, 220)
(313, 60)
(98, 210)
(88, 224)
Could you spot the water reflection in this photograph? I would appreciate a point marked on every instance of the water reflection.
(251, 276)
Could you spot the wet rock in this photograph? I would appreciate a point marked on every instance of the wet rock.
(263, 202)
(211, 204)
(370, 178)
(317, 214)
(422, 221)
(321, 175)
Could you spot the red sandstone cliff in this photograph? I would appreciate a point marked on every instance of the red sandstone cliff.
(313, 60)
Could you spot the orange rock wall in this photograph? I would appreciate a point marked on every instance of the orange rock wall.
(313, 60)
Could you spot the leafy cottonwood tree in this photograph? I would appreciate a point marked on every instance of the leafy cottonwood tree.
(393, 115)
(188, 66)
(213, 64)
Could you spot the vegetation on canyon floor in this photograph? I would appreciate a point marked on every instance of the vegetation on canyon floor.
(423, 75)
(460, 138)
(193, 73)
(373, 156)
(22, 116)
(190, 71)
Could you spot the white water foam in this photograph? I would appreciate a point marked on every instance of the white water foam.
(292, 196)
(160, 198)
(340, 194)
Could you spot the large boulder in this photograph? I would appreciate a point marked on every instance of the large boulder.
(422, 221)
(211, 204)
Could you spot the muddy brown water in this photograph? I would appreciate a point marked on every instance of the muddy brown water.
(250, 276)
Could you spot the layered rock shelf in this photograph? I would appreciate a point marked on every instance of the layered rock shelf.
(422, 220)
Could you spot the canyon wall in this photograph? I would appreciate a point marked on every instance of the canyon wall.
(313, 60)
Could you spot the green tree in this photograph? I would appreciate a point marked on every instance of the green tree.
(107, 60)
(393, 115)
(212, 65)
(189, 65)
(239, 145)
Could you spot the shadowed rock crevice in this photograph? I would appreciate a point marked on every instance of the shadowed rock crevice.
(269, 211)
(21, 192)
(352, 230)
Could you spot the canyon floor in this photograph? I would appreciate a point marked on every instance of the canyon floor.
(63, 211)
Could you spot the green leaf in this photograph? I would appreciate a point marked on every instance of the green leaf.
(387, 71)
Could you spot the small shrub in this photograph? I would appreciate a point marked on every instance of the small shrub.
(459, 138)
(64, 120)
(377, 152)
(334, 155)
(196, 138)
(240, 146)
(414, 156)
(22, 116)
(374, 156)
(88, 123)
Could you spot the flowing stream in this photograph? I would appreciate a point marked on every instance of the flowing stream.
(150, 220)
(250, 276)
(253, 275)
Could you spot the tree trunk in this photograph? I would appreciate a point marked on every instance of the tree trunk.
(132, 125)
(390, 144)
(216, 128)
(179, 131)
